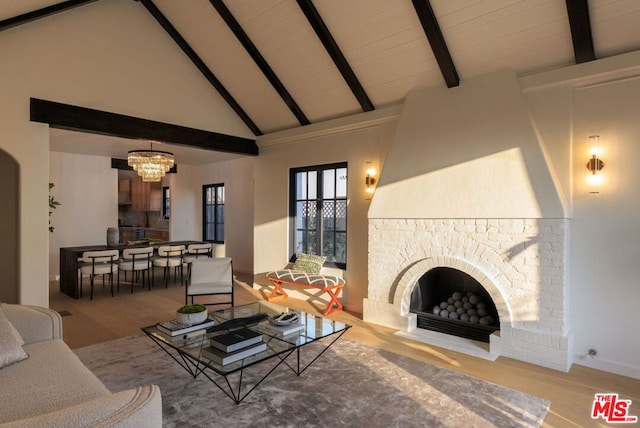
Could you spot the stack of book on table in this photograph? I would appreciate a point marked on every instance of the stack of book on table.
(175, 330)
(281, 330)
(234, 346)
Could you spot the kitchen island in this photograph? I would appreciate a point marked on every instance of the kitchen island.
(69, 263)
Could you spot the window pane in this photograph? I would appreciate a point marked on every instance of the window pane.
(220, 214)
(328, 245)
(301, 185)
(341, 185)
(209, 195)
(208, 235)
(209, 214)
(306, 215)
(311, 215)
(328, 215)
(220, 232)
(313, 185)
(341, 247)
(299, 240)
(328, 183)
(341, 215)
(220, 195)
(310, 242)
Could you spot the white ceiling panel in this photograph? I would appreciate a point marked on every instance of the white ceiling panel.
(488, 35)
(12, 8)
(208, 35)
(615, 26)
(283, 36)
(385, 45)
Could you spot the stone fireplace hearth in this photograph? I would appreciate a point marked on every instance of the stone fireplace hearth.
(466, 185)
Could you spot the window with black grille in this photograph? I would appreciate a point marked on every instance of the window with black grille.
(318, 211)
(213, 213)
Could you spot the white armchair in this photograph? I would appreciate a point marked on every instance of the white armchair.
(211, 276)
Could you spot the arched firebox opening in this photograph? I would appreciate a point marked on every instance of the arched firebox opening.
(450, 301)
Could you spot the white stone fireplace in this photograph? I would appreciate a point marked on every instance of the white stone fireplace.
(466, 186)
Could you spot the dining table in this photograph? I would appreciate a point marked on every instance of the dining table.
(70, 261)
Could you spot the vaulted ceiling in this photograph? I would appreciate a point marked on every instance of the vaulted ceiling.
(282, 64)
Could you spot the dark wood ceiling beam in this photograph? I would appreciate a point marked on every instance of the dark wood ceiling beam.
(251, 49)
(41, 13)
(323, 33)
(436, 40)
(75, 118)
(580, 24)
(199, 63)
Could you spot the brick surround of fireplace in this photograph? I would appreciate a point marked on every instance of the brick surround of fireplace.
(520, 262)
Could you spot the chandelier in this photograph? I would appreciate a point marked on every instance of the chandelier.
(150, 164)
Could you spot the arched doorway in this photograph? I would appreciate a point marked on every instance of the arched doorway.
(9, 227)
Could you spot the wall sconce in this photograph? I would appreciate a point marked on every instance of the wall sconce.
(595, 165)
(369, 180)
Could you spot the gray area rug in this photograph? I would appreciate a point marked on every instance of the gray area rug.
(350, 385)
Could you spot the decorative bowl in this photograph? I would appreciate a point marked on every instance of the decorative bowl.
(284, 318)
(192, 314)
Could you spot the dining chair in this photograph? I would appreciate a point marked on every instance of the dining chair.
(194, 252)
(137, 261)
(211, 276)
(99, 262)
(170, 256)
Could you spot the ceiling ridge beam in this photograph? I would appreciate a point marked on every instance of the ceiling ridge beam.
(41, 13)
(257, 57)
(199, 63)
(323, 33)
(76, 118)
(580, 24)
(436, 40)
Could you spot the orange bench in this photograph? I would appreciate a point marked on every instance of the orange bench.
(331, 284)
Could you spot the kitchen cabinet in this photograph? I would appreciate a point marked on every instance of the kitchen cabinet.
(155, 198)
(124, 192)
(145, 196)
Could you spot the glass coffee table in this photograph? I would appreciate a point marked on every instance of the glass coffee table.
(187, 352)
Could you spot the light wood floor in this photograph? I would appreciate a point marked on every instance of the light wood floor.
(571, 394)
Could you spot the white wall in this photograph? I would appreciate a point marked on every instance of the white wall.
(606, 229)
(108, 55)
(568, 106)
(311, 146)
(185, 222)
(87, 189)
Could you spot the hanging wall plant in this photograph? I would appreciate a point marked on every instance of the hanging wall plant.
(53, 204)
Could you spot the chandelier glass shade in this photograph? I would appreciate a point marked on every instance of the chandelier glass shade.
(150, 164)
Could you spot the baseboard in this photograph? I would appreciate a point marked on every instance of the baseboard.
(609, 366)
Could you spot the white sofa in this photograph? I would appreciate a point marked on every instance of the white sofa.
(52, 388)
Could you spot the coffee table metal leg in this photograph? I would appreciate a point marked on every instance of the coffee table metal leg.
(196, 368)
(297, 369)
(236, 393)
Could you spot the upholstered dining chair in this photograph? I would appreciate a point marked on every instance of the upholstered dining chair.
(102, 262)
(211, 276)
(170, 256)
(137, 261)
(195, 252)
